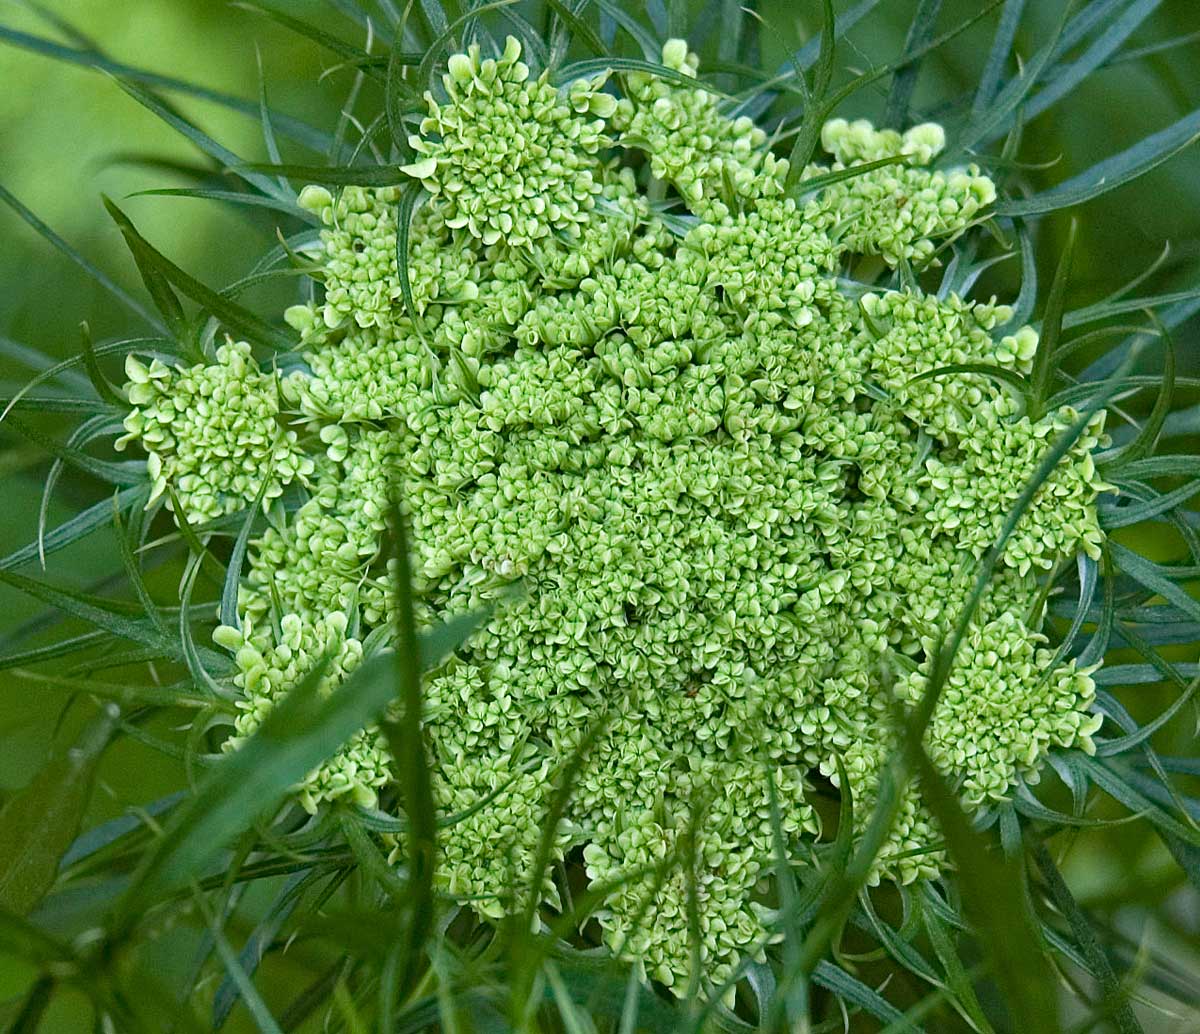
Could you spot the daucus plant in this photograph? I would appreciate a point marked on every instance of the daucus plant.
(638, 582)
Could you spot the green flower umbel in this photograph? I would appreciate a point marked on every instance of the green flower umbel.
(742, 495)
(214, 432)
(507, 155)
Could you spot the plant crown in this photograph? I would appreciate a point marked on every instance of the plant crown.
(619, 364)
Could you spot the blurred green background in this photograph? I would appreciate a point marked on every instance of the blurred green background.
(69, 135)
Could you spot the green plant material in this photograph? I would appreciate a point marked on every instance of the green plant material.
(96, 274)
(503, 385)
(38, 823)
(163, 271)
(622, 506)
(1111, 173)
(1116, 999)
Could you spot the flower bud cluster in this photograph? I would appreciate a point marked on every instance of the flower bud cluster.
(268, 667)
(214, 433)
(507, 156)
(900, 212)
(742, 498)
(688, 140)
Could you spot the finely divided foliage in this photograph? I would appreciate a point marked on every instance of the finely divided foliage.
(638, 548)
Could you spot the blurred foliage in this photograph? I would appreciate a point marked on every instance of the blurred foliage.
(67, 135)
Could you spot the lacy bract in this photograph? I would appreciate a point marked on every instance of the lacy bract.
(632, 378)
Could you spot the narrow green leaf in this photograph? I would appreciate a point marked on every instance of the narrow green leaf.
(60, 648)
(217, 152)
(1108, 309)
(109, 472)
(405, 208)
(999, 113)
(434, 50)
(66, 368)
(920, 32)
(574, 1020)
(1107, 774)
(994, 899)
(130, 694)
(1160, 466)
(233, 317)
(1151, 575)
(33, 1007)
(1111, 173)
(823, 72)
(1136, 739)
(1147, 438)
(103, 388)
(102, 425)
(815, 183)
(578, 29)
(1092, 14)
(259, 942)
(851, 989)
(1116, 999)
(816, 107)
(357, 13)
(233, 571)
(232, 197)
(1125, 516)
(199, 670)
(895, 944)
(943, 940)
(21, 939)
(1002, 45)
(1009, 377)
(55, 404)
(372, 862)
(39, 822)
(132, 568)
(650, 47)
(807, 55)
(1152, 49)
(295, 129)
(1097, 646)
(1094, 56)
(336, 176)
(344, 50)
(213, 566)
(398, 99)
(95, 612)
(261, 1014)
(1187, 857)
(1043, 361)
(815, 115)
(78, 527)
(407, 745)
(1027, 295)
(1137, 674)
(593, 66)
(790, 998)
(47, 234)
(1173, 316)
(264, 120)
(96, 839)
(298, 735)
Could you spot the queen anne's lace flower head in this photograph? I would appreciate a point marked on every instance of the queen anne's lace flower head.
(744, 499)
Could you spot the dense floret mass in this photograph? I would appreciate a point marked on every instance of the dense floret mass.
(509, 157)
(214, 432)
(743, 494)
